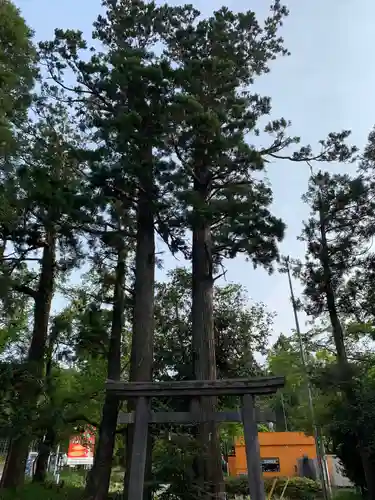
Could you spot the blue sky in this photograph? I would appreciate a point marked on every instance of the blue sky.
(327, 84)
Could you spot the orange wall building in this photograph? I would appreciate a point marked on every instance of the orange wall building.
(279, 451)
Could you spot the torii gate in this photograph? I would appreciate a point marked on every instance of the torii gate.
(247, 388)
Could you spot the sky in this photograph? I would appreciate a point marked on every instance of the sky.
(327, 84)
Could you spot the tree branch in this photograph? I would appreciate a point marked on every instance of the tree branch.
(82, 418)
(25, 290)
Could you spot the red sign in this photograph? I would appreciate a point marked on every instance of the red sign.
(81, 446)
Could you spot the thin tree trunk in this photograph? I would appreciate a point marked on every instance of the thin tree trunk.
(45, 448)
(141, 359)
(99, 477)
(368, 464)
(47, 443)
(203, 347)
(147, 493)
(14, 470)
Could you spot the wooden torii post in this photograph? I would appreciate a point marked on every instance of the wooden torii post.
(142, 392)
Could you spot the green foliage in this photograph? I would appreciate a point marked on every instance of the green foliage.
(298, 488)
(346, 421)
(129, 129)
(347, 495)
(337, 236)
(340, 420)
(173, 464)
(337, 278)
(42, 188)
(241, 329)
(216, 59)
(291, 403)
(48, 492)
(17, 72)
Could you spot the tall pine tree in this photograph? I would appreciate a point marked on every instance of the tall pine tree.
(220, 181)
(125, 92)
(337, 236)
(42, 190)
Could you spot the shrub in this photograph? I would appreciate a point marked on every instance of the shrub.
(298, 488)
(236, 486)
(73, 478)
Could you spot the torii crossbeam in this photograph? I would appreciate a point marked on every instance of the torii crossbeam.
(247, 388)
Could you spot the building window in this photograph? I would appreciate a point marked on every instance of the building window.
(270, 465)
(232, 451)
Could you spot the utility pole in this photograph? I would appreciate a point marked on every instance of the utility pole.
(318, 441)
(284, 412)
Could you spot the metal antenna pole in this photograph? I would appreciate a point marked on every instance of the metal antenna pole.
(317, 437)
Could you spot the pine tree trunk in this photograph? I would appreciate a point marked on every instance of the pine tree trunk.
(203, 347)
(99, 477)
(14, 470)
(141, 359)
(338, 334)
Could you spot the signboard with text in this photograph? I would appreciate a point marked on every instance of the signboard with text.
(81, 449)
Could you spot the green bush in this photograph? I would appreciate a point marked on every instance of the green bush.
(73, 478)
(298, 488)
